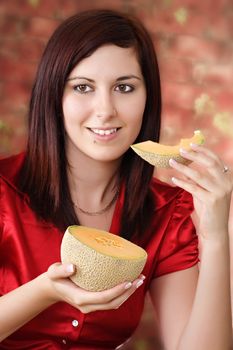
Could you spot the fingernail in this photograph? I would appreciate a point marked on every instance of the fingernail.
(70, 268)
(174, 179)
(142, 277)
(128, 285)
(184, 151)
(139, 283)
(172, 161)
(194, 145)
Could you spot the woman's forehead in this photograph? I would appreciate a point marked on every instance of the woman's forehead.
(109, 60)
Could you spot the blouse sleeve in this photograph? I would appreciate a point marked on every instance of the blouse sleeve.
(1, 220)
(179, 247)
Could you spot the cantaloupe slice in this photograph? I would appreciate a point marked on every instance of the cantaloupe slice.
(102, 259)
(158, 155)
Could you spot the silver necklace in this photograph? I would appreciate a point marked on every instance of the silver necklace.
(102, 211)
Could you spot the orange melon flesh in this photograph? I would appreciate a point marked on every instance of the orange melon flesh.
(158, 154)
(102, 259)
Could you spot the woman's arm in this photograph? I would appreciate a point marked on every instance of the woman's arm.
(197, 312)
(210, 320)
(24, 303)
(194, 311)
(21, 305)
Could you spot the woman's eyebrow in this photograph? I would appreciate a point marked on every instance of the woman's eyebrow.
(124, 77)
(84, 78)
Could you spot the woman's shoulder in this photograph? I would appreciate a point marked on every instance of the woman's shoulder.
(164, 194)
(10, 167)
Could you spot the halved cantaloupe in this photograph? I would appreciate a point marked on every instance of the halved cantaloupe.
(102, 259)
(158, 155)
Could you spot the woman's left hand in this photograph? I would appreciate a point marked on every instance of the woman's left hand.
(211, 185)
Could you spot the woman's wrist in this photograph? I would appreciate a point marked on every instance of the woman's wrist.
(47, 292)
(211, 238)
(217, 246)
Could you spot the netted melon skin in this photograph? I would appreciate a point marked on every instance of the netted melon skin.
(96, 271)
(160, 161)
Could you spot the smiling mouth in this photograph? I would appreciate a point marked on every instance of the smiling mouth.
(103, 132)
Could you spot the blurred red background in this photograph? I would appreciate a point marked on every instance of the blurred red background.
(194, 43)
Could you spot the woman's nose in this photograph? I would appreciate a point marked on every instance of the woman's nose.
(105, 107)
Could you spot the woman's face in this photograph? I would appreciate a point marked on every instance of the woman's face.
(103, 103)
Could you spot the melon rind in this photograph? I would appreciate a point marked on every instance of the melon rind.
(158, 160)
(96, 271)
(160, 154)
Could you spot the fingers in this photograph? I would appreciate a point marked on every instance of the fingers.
(113, 298)
(209, 182)
(87, 301)
(59, 270)
(190, 187)
(192, 174)
(209, 175)
(204, 150)
(107, 296)
(205, 158)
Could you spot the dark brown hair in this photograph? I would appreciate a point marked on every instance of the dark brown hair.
(44, 176)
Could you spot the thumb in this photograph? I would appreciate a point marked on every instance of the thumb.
(59, 270)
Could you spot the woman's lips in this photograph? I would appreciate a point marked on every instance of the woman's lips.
(104, 134)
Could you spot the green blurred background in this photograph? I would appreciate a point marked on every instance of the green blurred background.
(194, 43)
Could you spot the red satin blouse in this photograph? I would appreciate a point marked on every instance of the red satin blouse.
(29, 246)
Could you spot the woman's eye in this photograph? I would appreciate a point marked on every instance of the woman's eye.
(124, 88)
(82, 88)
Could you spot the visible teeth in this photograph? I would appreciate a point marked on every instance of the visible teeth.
(104, 132)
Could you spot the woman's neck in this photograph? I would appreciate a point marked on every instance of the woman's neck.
(92, 183)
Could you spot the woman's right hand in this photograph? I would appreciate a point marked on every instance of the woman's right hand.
(61, 288)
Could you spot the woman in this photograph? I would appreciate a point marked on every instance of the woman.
(97, 91)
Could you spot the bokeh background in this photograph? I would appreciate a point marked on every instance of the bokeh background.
(194, 43)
